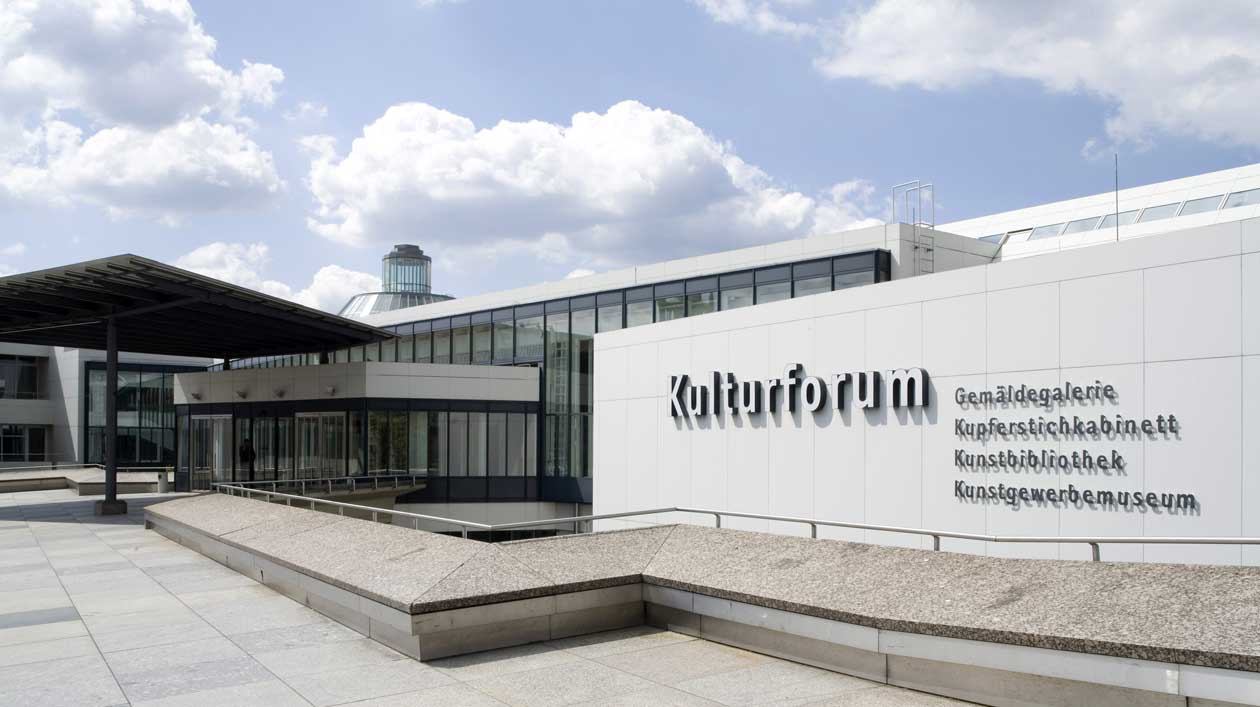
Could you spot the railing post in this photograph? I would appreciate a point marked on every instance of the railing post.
(312, 504)
(341, 510)
(1095, 551)
(464, 531)
(374, 516)
(936, 543)
(813, 530)
(717, 520)
(303, 487)
(330, 487)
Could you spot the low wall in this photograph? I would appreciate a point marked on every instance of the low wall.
(989, 630)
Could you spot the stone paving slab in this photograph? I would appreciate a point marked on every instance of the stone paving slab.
(185, 645)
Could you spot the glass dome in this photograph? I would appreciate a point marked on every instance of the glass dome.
(406, 274)
(406, 269)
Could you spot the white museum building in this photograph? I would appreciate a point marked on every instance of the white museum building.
(1082, 368)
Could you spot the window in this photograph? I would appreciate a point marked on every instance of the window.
(1124, 218)
(995, 238)
(1046, 231)
(773, 284)
(702, 296)
(1155, 213)
(608, 316)
(582, 332)
(461, 345)
(476, 444)
(424, 347)
(1081, 225)
(407, 349)
(23, 443)
(496, 444)
(128, 399)
(356, 354)
(1250, 197)
(482, 351)
(458, 461)
(1198, 206)
(22, 377)
(442, 346)
(503, 335)
(389, 350)
(811, 278)
(736, 290)
(516, 444)
(372, 352)
(670, 302)
(529, 333)
(845, 280)
(556, 366)
(639, 306)
(398, 441)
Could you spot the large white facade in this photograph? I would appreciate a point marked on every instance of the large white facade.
(1171, 321)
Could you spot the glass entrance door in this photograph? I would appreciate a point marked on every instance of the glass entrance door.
(210, 450)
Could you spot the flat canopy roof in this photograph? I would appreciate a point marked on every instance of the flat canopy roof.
(160, 309)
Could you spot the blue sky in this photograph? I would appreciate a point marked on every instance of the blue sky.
(735, 122)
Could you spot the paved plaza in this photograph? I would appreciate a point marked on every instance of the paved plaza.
(100, 611)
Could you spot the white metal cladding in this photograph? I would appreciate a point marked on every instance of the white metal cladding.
(1172, 321)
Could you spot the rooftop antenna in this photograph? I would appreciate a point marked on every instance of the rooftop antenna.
(1117, 155)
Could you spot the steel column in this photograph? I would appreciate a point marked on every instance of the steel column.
(111, 505)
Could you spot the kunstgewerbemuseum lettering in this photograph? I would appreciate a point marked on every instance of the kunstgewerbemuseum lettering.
(722, 393)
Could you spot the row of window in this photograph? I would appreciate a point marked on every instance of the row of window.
(144, 399)
(1250, 197)
(516, 334)
(22, 377)
(23, 443)
(318, 445)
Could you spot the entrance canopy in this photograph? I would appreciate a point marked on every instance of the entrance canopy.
(160, 309)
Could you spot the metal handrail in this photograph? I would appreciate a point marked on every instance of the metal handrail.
(51, 467)
(351, 482)
(1094, 543)
(464, 525)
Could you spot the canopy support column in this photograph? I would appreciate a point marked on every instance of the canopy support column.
(111, 504)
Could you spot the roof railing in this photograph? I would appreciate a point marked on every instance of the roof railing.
(1094, 542)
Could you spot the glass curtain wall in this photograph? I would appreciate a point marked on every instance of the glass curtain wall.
(558, 336)
(556, 394)
(146, 418)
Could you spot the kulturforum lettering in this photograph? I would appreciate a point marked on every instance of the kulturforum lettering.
(724, 394)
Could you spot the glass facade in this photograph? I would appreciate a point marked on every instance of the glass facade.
(268, 441)
(146, 415)
(558, 336)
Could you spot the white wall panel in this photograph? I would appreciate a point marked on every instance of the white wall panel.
(1164, 319)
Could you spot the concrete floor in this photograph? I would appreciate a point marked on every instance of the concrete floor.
(99, 611)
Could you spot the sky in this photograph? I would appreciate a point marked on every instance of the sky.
(286, 146)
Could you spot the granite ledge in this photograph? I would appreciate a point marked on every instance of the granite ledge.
(1184, 614)
(1150, 652)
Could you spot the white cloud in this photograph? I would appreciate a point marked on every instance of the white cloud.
(122, 104)
(306, 112)
(1162, 66)
(245, 264)
(579, 272)
(632, 184)
(761, 16)
(13, 250)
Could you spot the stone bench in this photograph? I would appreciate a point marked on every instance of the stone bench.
(991, 630)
